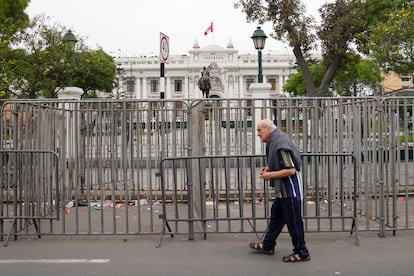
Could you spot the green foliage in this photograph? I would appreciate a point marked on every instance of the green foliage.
(355, 76)
(290, 24)
(43, 63)
(339, 26)
(374, 12)
(39, 63)
(296, 84)
(382, 30)
(12, 18)
(392, 41)
(355, 73)
(95, 70)
(12, 21)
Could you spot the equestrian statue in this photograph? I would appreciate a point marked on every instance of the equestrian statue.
(204, 82)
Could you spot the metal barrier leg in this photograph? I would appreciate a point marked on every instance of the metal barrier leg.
(164, 224)
(255, 230)
(354, 227)
(37, 228)
(6, 242)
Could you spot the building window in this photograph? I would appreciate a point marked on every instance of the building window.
(178, 86)
(154, 86)
(130, 86)
(179, 109)
(154, 108)
(273, 83)
(249, 107)
(407, 82)
(249, 81)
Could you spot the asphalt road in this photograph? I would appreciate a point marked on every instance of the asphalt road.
(219, 254)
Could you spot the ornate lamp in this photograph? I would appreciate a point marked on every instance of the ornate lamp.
(259, 40)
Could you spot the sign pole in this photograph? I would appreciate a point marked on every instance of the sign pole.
(164, 53)
(162, 80)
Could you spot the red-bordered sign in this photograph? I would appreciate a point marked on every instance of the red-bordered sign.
(164, 47)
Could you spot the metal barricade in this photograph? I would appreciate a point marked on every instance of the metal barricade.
(224, 194)
(109, 152)
(29, 189)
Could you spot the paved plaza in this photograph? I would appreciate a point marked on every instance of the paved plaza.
(219, 254)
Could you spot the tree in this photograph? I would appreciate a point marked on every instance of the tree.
(391, 42)
(340, 24)
(12, 21)
(39, 63)
(356, 75)
(354, 78)
(296, 83)
(95, 70)
(44, 61)
(374, 12)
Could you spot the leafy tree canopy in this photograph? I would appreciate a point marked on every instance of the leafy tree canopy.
(340, 23)
(12, 20)
(391, 41)
(380, 30)
(95, 70)
(43, 63)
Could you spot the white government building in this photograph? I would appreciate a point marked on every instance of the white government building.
(231, 73)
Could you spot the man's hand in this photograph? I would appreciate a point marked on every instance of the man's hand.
(266, 175)
(263, 171)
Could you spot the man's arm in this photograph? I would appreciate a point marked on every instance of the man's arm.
(288, 167)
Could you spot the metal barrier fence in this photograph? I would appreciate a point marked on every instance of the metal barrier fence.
(395, 158)
(29, 189)
(109, 152)
(224, 194)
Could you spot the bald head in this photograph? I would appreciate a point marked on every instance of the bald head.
(267, 123)
(265, 128)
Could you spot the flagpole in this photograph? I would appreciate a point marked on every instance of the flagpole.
(212, 31)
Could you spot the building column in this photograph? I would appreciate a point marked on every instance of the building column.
(230, 86)
(241, 88)
(185, 87)
(168, 88)
(144, 88)
(137, 88)
(280, 86)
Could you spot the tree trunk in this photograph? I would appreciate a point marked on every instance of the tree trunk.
(330, 73)
(312, 90)
(307, 76)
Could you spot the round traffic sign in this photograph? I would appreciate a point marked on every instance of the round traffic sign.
(164, 48)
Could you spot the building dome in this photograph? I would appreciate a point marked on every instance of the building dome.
(213, 48)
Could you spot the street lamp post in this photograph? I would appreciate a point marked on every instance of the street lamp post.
(259, 39)
(69, 38)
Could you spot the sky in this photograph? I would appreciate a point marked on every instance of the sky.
(133, 27)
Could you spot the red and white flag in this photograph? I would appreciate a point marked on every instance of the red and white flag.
(209, 29)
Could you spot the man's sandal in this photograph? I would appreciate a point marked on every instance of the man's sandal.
(294, 258)
(259, 247)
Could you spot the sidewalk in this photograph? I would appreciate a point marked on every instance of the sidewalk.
(220, 254)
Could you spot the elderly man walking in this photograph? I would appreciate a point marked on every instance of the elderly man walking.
(283, 172)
